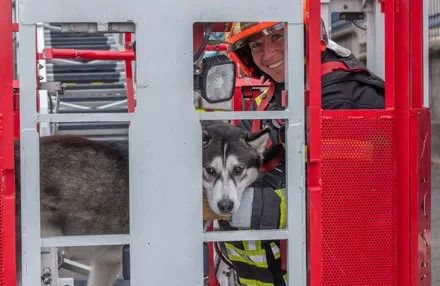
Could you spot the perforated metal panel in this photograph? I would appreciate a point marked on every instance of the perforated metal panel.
(359, 199)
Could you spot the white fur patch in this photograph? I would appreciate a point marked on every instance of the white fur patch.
(226, 185)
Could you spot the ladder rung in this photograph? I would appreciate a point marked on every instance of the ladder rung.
(85, 117)
(240, 235)
(85, 240)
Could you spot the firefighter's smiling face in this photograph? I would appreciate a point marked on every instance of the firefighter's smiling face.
(268, 54)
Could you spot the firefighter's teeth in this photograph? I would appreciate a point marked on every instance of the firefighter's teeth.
(275, 65)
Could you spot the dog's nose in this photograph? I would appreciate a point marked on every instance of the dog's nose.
(225, 206)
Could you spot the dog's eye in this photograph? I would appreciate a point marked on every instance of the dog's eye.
(237, 170)
(211, 171)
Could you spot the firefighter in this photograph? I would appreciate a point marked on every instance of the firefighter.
(258, 49)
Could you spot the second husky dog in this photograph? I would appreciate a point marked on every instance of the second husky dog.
(84, 187)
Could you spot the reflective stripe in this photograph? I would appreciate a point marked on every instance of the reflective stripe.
(275, 250)
(260, 97)
(251, 257)
(252, 282)
(285, 278)
(283, 208)
(258, 100)
(252, 244)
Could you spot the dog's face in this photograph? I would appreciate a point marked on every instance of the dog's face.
(231, 162)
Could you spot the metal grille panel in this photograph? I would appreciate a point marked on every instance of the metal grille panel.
(359, 200)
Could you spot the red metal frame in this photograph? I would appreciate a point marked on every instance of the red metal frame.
(129, 73)
(127, 55)
(7, 191)
(409, 236)
(409, 246)
(313, 101)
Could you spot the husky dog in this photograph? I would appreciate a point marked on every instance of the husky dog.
(84, 190)
(231, 162)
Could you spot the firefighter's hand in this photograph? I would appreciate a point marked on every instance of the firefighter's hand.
(209, 215)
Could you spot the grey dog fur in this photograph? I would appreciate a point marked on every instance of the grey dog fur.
(84, 191)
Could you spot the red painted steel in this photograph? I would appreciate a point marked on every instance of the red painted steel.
(129, 74)
(416, 54)
(370, 221)
(89, 54)
(7, 192)
(313, 99)
(419, 156)
(420, 200)
(216, 48)
(359, 205)
(212, 275)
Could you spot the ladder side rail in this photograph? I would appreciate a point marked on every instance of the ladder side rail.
(314, 162)
(29, 149)
(401, 65)
(419, 155)
(295, 158)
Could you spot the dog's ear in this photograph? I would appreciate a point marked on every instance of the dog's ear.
(259, 140)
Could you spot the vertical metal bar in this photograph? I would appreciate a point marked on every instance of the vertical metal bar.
(30, 208)
(160, 206)
(390, 59)
(129, 74)
(314, 143)
(416, 68)
(426, 53)
(375, 41)
(295, 142)
(416, 56)
(401, 52)
(326, 16)
(30, 167)
(7, 209)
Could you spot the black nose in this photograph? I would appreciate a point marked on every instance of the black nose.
(225, 206)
